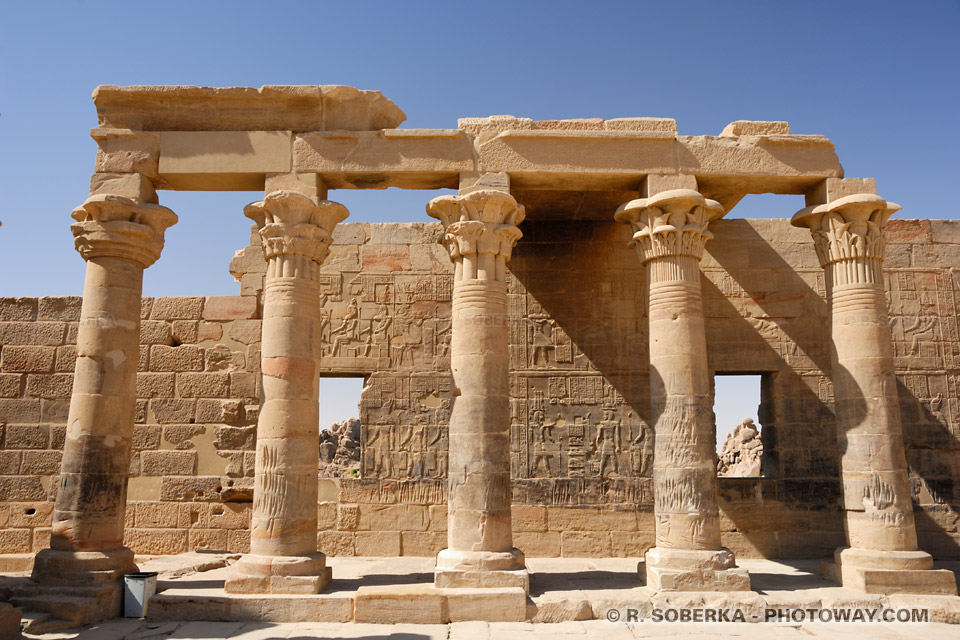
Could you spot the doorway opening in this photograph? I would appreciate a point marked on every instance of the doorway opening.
(339, 427)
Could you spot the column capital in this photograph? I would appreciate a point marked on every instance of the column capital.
(849, 230)
(115, 226)
(670, 224)
(476, 224)
(295, 229)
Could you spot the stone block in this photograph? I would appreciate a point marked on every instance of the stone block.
(438, 517)
(9, 464)
(406, 517)
(10, 385)
(502, 604)
(422, 543)
(230, 308)
(244, 385)
(178, 359)
(181, 308)
(124, 151)
(238, 541)
(155, 332)
(30, 515)
(52, 385)
(169, 463)
(129, 185)
(156, 515)
(336, 543)
(146, 436)
(40, 463)
(181, 435)
(155, 385)
(528, 518)
(19, 410)
(400, 604)
(190, 489)
(585, 544)
(236, 438)
(18, 309)
(203, 385)
(591, 519)
(16, 541)
(348, 516)
(25, 436)
(222, 411)
(26, 359)
(54, 410)
(32, 333)
(538, 544)
(245, 331)
(208, 539)
(156, 541)
(381, 544)
(631, 544)
(26, 488)
(173, 410)
(755, 128)
(221, 358)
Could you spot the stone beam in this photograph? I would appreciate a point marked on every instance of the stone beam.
(269, 108)
(407, 158)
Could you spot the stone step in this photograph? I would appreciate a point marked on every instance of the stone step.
(43, 622)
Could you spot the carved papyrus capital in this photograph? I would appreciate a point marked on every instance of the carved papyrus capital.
(120, 227)
(848, 233)
(480, 231)
(670, 224)
(295, 231)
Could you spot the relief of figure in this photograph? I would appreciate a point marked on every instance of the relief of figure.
(542, 337)
(608, 443)
(742, 452)
(382, 453)
(641, 452)
(347, 330)
(542, 439)
(378, 331)
(921, 327)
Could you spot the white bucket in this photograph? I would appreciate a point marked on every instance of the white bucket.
(138, 588)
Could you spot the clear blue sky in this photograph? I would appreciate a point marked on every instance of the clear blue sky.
(880, 79)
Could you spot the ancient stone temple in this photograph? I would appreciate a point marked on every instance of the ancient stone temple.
(538, 347)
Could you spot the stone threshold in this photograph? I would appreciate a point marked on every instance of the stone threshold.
(401, 590)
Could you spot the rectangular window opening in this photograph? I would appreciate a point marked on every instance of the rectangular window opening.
(340, 425)
(739, 408)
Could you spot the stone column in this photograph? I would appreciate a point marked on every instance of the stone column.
(670, 231)
(295, 230)
(119, 237)
(480, 231)
(882, 556)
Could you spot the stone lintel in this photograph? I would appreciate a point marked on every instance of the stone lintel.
(474, 181)
(269, 108)
(228, 160)
(129, 185)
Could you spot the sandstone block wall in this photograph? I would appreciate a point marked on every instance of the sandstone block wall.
(581, 441)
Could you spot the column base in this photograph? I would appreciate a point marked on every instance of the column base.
(481, 569)
(80, 568)
(889, 572)
(694, 570)
(280, 574)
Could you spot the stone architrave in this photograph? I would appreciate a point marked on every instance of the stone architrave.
(480, 231)
(670, 231)
(882, 555)
(295, 231)
(119, 237)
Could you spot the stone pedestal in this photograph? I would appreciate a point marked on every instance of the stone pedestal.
(118, 237)
(848, 233)
(670, 230)
(480, 232)
(295, 230)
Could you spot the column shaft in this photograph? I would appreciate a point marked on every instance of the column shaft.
(670, 231)
(480, 231)
(295, 230)
(882, 556)
(119, 237)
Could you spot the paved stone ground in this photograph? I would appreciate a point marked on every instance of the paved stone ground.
(588, 630)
